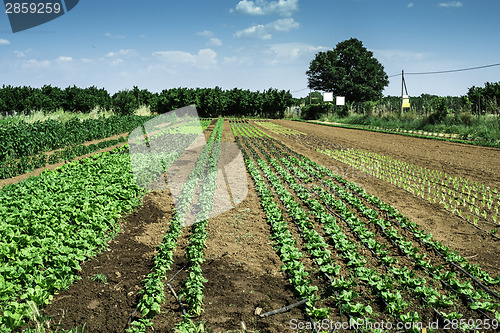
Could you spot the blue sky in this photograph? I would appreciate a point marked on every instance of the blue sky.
(251, 44)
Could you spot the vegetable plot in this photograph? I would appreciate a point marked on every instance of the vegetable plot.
(360, 259)
(51, 223)
(277, 128)
(473, 202)
(13, 167)
(192, 293)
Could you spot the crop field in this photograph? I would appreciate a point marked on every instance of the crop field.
(341, 230)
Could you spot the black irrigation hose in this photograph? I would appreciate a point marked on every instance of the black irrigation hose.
(284, 309)
(177, 298)
(442, 256)
(383, 231)
(350, 227)
(488, 290)
(333, 213)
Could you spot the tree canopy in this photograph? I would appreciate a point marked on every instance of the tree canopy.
(349, 70)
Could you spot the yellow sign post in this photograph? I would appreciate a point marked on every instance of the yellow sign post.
(406, 101)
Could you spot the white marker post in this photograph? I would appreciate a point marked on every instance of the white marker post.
(328, 97)
(339, 100)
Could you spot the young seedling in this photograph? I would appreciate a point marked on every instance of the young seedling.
(99, 278)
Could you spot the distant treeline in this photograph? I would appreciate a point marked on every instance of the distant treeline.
(210, 102)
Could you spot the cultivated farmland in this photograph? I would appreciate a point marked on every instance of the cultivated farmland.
(346, 226)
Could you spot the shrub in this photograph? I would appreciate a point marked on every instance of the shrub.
(314, 111)
(440, 113)
(465, 118)
(124, 103)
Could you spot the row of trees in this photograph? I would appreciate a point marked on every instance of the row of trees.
(484, 99)
(210, 102)
(23, 100)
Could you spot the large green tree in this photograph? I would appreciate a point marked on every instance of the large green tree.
(349, 70)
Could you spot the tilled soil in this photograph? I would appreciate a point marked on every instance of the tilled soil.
(243, 271)
(473, 162)
(105, 306)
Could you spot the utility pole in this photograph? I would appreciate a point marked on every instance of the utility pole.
(403, 97)
(402, 82)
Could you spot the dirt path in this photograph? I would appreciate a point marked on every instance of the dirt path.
(106, 307)
(245, 276)
(476, 163)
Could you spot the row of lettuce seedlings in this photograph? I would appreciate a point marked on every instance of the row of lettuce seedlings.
(344, 295)
(405, 274)
(153, 295)
(470, 201)
(448, 278)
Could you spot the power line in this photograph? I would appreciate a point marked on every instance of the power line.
(453, 70)
(298, 90)
(435, 72)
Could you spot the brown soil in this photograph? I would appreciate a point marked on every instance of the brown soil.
(245, 274)
(473, 162)
(424, 133)
(106, 307)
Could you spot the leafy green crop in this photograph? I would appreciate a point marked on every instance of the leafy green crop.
(22, 139)
(51, 223)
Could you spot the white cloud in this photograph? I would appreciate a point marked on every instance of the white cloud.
(109, 35)
(411, 4)
(117, 61)
(4, 41)
(265, 31)
(262, 7)
(121, 53)
(237, 61)
(22, 54)
(283, 25)
(392, 55)
(205, 33)
(33, 63)
(451, 4)
(204, 59)
(214, 41)
(255, 31)
(64, 59)
(116, 58)
(289, 52)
